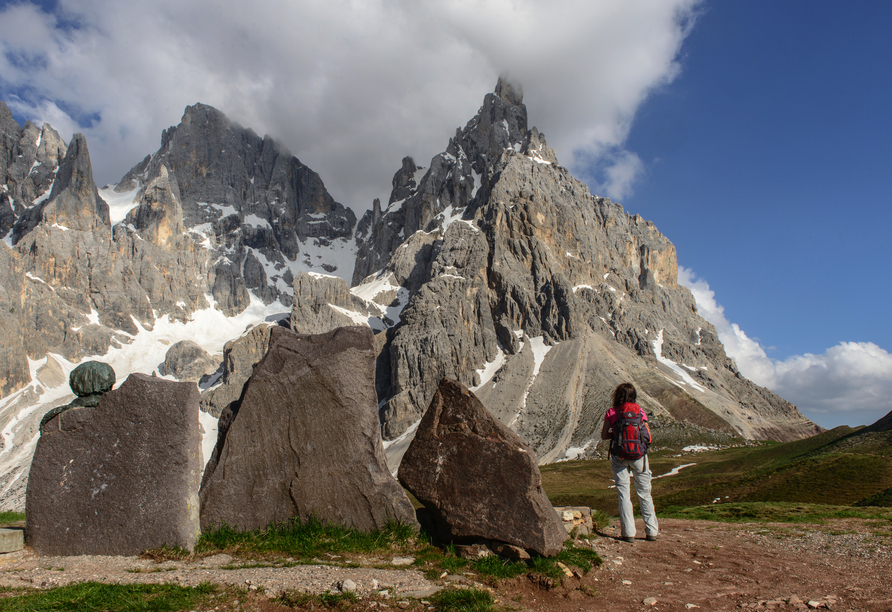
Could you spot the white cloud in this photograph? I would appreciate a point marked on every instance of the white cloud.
(348, 86)
(850, 383)
(622, 171)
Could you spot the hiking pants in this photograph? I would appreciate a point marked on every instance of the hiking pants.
(623, 471)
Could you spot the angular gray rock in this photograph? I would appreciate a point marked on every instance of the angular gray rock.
(121, 477)
(14, 370)
(187, 361)
(305, 441)
(74, 201)
(320, 302)
(477, 478)
(239, 358)
(158, 217)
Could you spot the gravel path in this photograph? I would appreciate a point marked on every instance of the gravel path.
(843, 565)
(24, 568)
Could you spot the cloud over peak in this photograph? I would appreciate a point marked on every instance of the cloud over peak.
(350, 87)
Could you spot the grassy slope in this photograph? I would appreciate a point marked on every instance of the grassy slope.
(839, 467)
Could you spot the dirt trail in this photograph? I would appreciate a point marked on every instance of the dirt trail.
(694, 565)
(698, 565)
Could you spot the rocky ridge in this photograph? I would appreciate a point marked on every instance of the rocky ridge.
(542, 298)
(492, 266)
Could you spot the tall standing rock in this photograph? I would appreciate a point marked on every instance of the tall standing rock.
(305, 440)
(120, 477)
(74, 201)
(477, 477)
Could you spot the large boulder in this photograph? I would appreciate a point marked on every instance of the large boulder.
(120, 477)
(305, 440)
(187, 361)
(477, 478)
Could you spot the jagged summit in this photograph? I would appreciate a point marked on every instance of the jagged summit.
(423, 198)
(542, 298)
(509, 91)
(492, 266)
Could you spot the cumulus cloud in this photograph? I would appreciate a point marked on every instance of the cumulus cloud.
(348, 86)
(850, 383)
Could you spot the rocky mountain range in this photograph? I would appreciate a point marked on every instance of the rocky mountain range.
(492, 266)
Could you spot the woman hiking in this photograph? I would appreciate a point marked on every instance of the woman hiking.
(625, 423)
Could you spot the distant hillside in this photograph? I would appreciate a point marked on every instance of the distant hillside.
(841, 467)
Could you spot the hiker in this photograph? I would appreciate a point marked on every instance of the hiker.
(625, 424)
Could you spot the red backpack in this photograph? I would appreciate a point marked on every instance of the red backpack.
(631, 436)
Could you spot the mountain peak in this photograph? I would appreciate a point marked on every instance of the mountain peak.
(509, 90)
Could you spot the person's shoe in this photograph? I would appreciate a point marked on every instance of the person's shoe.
(651, 538)
(628, 539)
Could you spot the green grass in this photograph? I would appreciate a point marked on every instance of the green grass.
(841, 467)
(883, 499)
(494, 566)
(10, 516)
(498, 568)
(305, 541)
(463, 600)
(774, 512)
(98, 597)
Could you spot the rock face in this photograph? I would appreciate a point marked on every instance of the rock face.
(492, 266)
(29, 158)
(239, 358)
(187, 361)
(477, 477)
(543, 298)
(77, 284)
(120, 477)
(263, 213)
(305, 440)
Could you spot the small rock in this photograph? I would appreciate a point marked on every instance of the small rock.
(565, 569)
(403, 604)
(691, 606)
(650, 601)
(510, 551)
(346, 586)
(402, 561)
(627, 582)
(473, 551)
(814, 605)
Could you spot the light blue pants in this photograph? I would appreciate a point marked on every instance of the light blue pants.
(623, 471)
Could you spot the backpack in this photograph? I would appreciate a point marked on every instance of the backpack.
(631, 436)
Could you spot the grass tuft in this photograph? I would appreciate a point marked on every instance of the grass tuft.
(98, 597)
(304, 540)
(496, 567)
(463, 600)
(10, 516)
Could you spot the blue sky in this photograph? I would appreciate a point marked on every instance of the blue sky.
(756, 135)
(768, 163)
